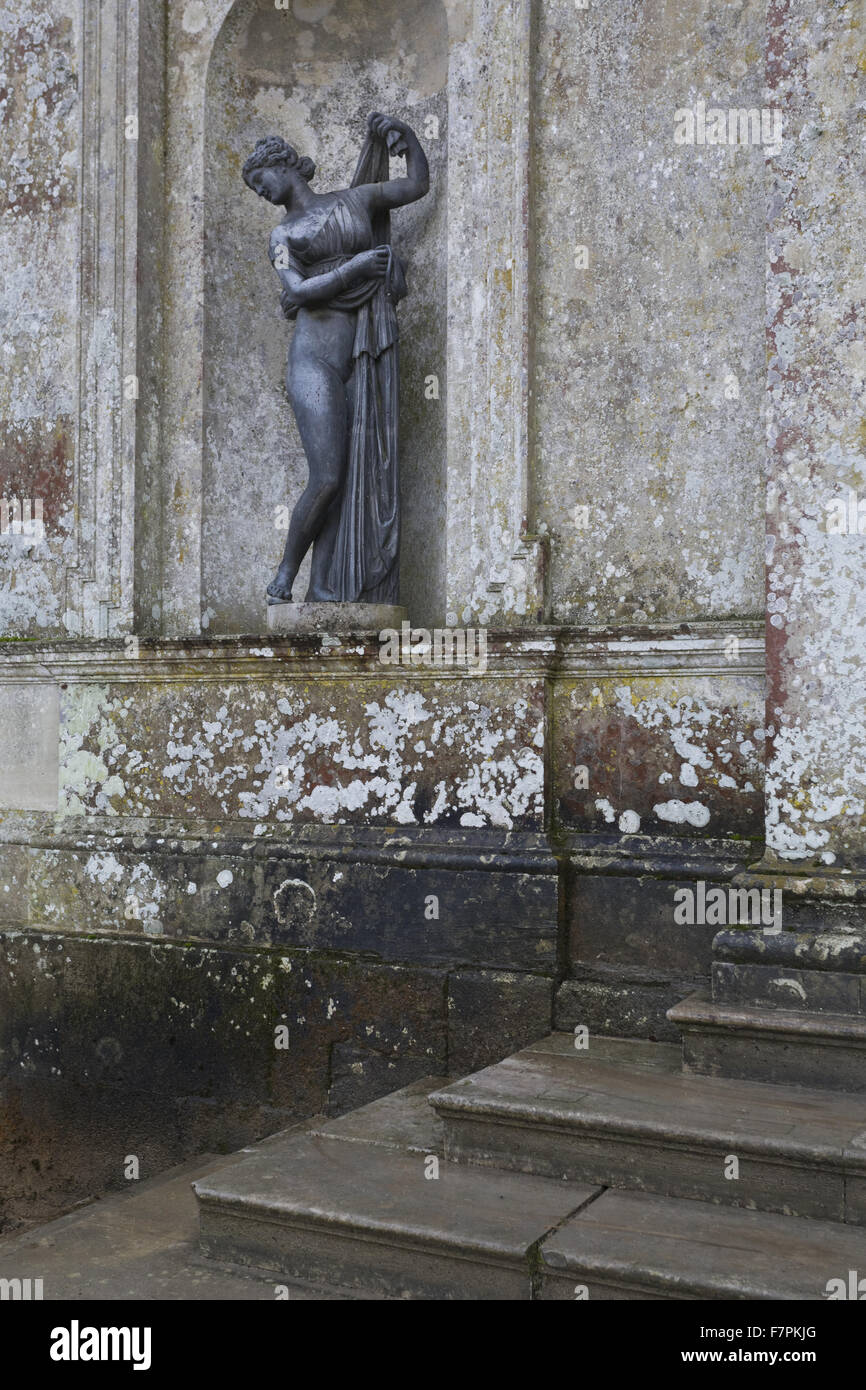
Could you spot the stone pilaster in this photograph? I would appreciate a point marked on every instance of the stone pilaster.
(793, 1003)
(496, 562)
(100, 576)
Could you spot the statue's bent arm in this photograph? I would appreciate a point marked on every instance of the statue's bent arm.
(318, 289)
(396, 193)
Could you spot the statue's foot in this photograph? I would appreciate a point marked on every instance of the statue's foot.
(280, 587)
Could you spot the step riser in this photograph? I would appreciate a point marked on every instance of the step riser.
(753, 1057)
(650, 1166)
(556, 1289)
(747, 1041)
(769, 987)
(356, 1262)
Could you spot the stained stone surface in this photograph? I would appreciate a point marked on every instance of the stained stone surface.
(807, 1045)
(360, 1202)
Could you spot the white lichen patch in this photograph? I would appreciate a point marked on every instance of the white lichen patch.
(257, 762)
(682, 813)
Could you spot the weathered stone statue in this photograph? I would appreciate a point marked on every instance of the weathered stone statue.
(341, 282)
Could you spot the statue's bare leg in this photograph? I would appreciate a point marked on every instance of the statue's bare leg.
(317, 390)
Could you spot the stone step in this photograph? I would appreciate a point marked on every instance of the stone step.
(633, 1245)
(622, 1114)
(787, 1046)
(347, 1209)
(334, 1211)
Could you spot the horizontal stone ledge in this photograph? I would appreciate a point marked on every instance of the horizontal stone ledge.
(829, 950)
(698, 1011)
(449, 959)
(618, 974)
(807, 881)
(697, 649)
(512, 851)
(662, 856)
(447, 848)
(698, 1250)
(451, 971)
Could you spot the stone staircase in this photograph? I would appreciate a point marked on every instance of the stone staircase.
(608, 1173)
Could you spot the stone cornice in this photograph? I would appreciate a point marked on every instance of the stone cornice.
(694, 649)
(445, 847)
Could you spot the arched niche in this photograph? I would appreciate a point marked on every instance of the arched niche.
(311, 73)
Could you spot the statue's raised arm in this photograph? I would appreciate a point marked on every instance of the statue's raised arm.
(400, 139)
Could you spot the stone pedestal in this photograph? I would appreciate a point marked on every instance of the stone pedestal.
(287, 619)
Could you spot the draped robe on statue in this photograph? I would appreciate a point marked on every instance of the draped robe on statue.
(364, 567)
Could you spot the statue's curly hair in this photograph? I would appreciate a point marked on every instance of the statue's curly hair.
(274, 150)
